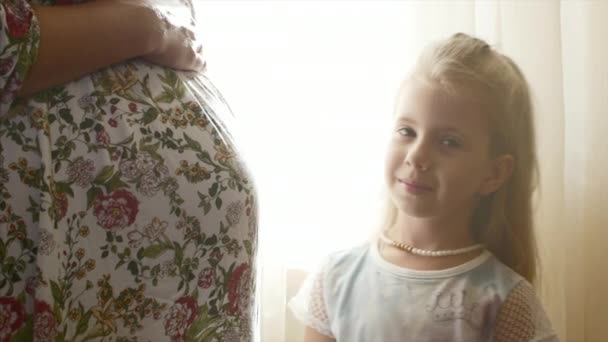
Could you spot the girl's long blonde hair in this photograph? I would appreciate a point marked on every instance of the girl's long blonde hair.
(503, 220)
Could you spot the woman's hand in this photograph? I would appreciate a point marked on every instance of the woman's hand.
(176, 45)
(79, 39)
(174, 41)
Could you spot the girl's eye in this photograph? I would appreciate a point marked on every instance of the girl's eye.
(406, 132)
(450, 142)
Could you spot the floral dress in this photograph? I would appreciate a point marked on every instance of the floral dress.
(126, 213)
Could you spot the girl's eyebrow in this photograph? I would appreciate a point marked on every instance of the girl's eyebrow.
(440, 128)
(449, 128)
(402, 119)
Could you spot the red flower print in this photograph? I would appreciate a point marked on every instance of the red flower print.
(30, 286)
(180, 317)
(115, 154)
(12, 317)
(206, 278)
(217, 254)
(238, 286)
(113, 122)
(61, 205)
(116, 210)
(102, 137)
(18, 20)
(10, 90)
(6, 65)
(132, 107)
(45, 325)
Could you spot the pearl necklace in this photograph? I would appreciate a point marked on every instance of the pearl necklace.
(423, 252)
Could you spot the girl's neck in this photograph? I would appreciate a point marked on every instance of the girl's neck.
(432, 233)
(429, 234)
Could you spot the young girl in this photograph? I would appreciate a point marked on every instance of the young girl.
(457, 256)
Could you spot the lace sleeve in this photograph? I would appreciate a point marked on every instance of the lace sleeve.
(522, 319)
(308, 306)
(19, 39)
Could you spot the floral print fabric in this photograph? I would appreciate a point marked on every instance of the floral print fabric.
(126, 213)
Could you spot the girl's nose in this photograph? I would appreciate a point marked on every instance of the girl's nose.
(418, 157)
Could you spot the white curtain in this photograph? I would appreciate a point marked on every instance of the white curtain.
(313, 82)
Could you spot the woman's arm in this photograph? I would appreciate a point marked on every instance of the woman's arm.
(311, 335)
(79, 39)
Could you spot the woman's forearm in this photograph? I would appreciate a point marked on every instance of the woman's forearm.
(79, 39)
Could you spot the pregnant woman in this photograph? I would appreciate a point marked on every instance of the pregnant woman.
(126, 213)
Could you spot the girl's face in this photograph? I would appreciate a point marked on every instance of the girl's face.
(438, 162)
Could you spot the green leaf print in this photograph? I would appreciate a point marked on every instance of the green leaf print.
(2, 250)
(154, 251)
(87, 123)
(26, 333)
(202, 328)
(83, 323)
(66, 115)
(150, 115)
(104, 174)
(56, 292)
(195, 145)
(64, 187)
(115, 183)
(92, 194)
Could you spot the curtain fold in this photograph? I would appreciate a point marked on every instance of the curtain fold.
(584, 51)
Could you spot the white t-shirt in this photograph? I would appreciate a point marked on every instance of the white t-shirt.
(359, 296)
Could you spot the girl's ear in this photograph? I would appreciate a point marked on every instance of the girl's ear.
(500, 171)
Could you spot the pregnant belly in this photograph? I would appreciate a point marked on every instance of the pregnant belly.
(130, 186)
(141, 127)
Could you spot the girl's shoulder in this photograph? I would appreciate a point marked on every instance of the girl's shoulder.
(501, 274)
(346, 257)
(345, 265)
